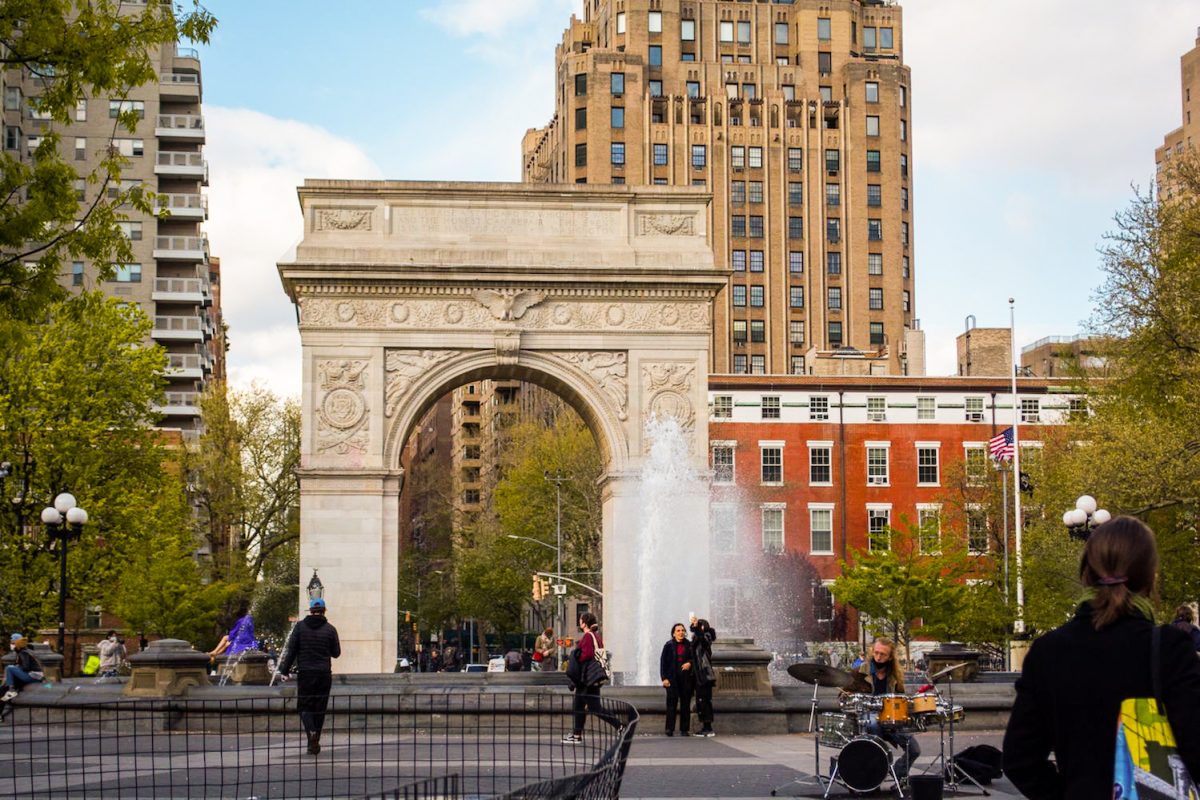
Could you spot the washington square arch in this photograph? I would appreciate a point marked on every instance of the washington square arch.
(406, 290)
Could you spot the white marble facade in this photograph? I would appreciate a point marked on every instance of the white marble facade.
(406, 290)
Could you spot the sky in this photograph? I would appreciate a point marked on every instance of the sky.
(1033, 123)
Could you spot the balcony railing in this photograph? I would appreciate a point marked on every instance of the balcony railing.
(165, 322)
(187, 52)
(196, 286)
(184, 247)
(174, 158)
(180, 77)
(189, 126)
(193, 206)
(186, 361)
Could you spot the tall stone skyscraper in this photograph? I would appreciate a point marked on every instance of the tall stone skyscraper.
(797, 117)
(1187, 135)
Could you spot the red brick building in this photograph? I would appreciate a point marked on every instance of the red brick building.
(817, 465)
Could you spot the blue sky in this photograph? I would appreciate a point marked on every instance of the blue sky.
(1031, 123)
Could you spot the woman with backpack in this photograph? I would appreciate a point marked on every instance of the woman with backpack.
(586, 674)
(703, 636)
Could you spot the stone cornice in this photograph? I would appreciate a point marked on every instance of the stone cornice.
(465, 290)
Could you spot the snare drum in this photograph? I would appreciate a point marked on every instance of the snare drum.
(836, 728)
(893, 709)
(925, 703)
(948, 713)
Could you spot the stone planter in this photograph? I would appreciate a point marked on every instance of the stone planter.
(166, 668)
(247, 668)
(741, 668)
(948, 655)
(51, 661)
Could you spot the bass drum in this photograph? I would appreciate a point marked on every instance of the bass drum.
(864, 763)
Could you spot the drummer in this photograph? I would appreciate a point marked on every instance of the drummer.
(886, 677)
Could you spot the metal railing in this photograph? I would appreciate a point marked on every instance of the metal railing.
(176, 323)
(373, 745)
(186, 361)
(178, 399)
(183, 122)
(180, 77)
(172, 158)
(181, 243)
(177, 201)
(181, 285)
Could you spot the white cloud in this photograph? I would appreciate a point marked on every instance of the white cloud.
(492, 19)
(256, 162)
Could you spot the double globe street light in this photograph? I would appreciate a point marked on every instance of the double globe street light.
(64, 521)
(1083, 517)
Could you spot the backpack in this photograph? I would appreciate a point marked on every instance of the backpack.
(603, 657)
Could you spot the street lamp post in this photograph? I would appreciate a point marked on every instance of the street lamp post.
(558, 575)
(557, 479)
(1083, 517)
(64, 521)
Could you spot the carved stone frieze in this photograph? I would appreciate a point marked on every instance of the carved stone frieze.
(467, 313)
(667, 387)
(402, 367)
(343, 219)
(666, 225)
(508, 305)
(610, 371)
(342, 411)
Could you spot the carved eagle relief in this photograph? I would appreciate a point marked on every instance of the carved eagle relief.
(508, 305)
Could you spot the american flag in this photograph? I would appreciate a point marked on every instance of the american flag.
(1001, 445)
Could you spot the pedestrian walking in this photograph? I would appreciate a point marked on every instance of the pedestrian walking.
(586, 674)
(545, 651)
(1076, 677)
(112, 655)
(310, 647)
(675, 668)
(703, 636)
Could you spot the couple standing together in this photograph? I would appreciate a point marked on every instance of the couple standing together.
(685, 668)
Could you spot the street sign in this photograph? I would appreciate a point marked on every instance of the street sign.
(560, 589)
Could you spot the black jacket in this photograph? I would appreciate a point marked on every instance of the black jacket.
(310, 647)
(27, 660)
(670, 665)
(1069, 697)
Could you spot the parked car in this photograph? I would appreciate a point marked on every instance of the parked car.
(475, 668)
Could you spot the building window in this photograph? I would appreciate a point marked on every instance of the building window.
(875, 230)
(739, 360)
(781, 33)
(581, 119)
(660, 155)
(758, 365)
(722, 464)
(12, 98)
(618, 154)
(12, 137)
(876, 409)
(756, 296)
(758, 328)
(737, 157)
(739, 261)
(128, 273)
(903, 165)
(903, 199)
(756, 256)
(772, 529)
(833, 230)
(616, 83)
(872, 125)
(977, 532)
(1030, 409)
(750, 91)
(726, 31)
(77, 273)
(833, 263)
(756, 226)
(737, 226)
(870, 39)
(877, 466)
(138, 107)
(974, 409)
(876, 334)
(833, 160)
(796, 300)
(770, 406)
(1077, 408)
(617, 117)
(903, 130)
(693, 89)
(795, 262)
(739, 325)
(878, 534)
(654, 23)
(824, 29)
(820, 465)
(756, 191)
(724, 529)
(826, 94)
(825, 63)
(130, 147)
(833, 194)
(927, 466)
(795, 227)
(872, 161)
(131, 230)
(687, 30)
(581, 155)
(796, 330)
(875, 267)
(737, 193)
(743, 32)
(655, 55)
(698, 157)
(795, 159)
(789, 90)
(905, 301)
(739, 297)
(756, 158)
(885, 38)
(926, 407)
(723, 406)
(795, 193)
(820, 521)
(797, 365)
(905, 271)
(772, 464)
(875, 299)
(656, 91)
(835, 334)
(835, 298)
(818, 408)
(872, 91)
(903, 96)
(874, 195)
(929, 525)
(580, 87)
(620, 22)
(975, 456)
(80, 148)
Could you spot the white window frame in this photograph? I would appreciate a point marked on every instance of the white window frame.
(720, 409)
(812, 530)
(771, 403)
(936, 509)
(974, 510)
(973, 415)
(878, 414)
(620, 22)
(763, 446)
(1031, 410)
(773, 508)
(654, 22)
(929, 413)
(725, 31)
(884, 479)
(812, 415)
(732, 447)
(967, 448)
(820, 445)
(684, 24)
(936, 447)
(873, 510)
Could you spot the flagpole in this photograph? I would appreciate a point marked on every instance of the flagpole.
(1019, 625)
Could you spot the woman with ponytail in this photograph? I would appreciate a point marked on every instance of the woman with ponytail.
(1075, 677)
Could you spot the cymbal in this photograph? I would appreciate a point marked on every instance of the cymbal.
(822, 675)
(944, 672)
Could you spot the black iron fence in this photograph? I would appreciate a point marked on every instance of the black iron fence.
(414, 745)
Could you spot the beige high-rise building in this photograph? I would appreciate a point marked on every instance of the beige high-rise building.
(171, 277)
(797, 117)
(1187, 135)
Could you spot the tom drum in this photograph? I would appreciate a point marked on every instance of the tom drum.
(925, 703)
(893, 709)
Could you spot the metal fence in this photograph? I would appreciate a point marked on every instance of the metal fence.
(446, 745)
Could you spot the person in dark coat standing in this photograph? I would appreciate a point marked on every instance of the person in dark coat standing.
(675, 669)
(1075, 677)
(1185, 620)
(587, 689)
(310, 647)
(703, 636)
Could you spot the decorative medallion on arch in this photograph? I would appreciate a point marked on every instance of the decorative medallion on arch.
(342, 411)
(667, 387)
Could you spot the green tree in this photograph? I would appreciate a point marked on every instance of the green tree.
(75, 49)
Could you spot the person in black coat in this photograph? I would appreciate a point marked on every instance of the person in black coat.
(675, 668)
(1075, 678)
(1184, 621)
(703, 636)
(310, 647)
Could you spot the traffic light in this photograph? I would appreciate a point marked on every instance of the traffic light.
(539, 589)
(407, 616)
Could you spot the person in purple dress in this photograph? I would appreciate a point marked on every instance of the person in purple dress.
(240, 637)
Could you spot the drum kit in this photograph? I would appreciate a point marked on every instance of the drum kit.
(864, 761)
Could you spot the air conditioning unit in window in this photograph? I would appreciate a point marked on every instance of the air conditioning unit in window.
(974, 416)
(877, 416)
(876, 480)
